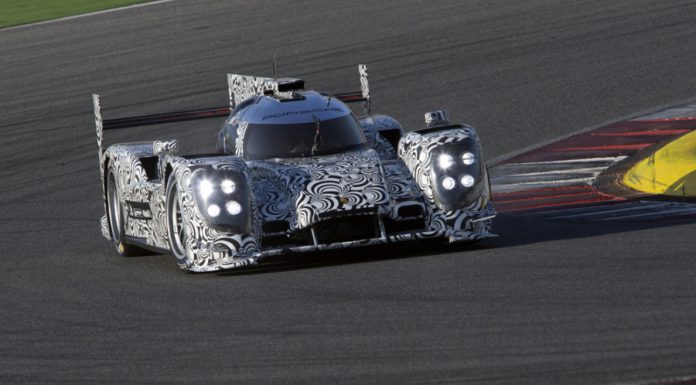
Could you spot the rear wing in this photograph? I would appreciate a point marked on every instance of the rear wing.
(240, 88)
(359, 96)
(145, 120)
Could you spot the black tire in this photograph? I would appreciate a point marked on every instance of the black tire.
(115, 217)
(175, 226)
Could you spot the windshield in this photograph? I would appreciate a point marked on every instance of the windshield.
(265, 141)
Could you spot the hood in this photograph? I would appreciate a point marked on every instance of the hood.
(303, 191)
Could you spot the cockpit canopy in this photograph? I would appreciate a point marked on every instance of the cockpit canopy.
(308, 124)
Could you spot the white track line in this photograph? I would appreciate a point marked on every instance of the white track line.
(67, 18)
(550, 182)
(610, 159)
(588, 170)
(681, 210)
(602, 210)
(683, 111)
(523, 186)
(559, 210)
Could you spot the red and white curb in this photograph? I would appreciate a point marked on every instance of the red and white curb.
(560, 180)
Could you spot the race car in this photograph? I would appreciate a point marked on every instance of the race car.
(294, 171)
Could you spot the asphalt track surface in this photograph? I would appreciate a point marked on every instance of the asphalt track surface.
(546, 303)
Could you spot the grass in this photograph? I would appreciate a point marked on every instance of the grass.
(16, 12)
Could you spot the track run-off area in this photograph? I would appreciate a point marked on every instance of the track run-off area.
(589, 282)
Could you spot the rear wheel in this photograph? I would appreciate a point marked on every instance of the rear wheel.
(116, 222)
(175, 221)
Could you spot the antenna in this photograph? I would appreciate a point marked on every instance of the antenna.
(317, 135)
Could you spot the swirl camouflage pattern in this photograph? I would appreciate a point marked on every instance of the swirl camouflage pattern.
(295, 171)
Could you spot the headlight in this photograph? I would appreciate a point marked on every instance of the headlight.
(448, 183)
(205, 188)
(467, 180)
(223, 199)
(445, 161)
(457, 174)
(468, 158)
(228, 186)
(213, 210)
(233, 207)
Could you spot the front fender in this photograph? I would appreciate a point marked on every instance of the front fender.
(382, 133)
(207, 242)
(434, 157)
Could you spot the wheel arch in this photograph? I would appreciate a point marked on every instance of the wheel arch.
(168, 170)
(105, 184)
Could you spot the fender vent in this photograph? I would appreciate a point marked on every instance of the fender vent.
(411, 211)
(392, 136)
(150, 165)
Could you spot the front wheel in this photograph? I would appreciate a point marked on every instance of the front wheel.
(175, 221)
(116, 220)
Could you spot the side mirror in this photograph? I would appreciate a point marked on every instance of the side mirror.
(161, 147)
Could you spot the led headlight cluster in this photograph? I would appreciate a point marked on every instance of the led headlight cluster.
(207, 188)
(223, 198)
(446, 162)
(456, 169)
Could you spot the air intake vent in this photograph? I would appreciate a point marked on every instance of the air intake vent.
(410, 211)
(353, 228)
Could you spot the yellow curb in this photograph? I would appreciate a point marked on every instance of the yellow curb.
(671, 170)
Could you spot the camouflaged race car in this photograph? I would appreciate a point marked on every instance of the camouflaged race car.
(295, 171)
